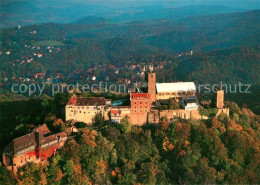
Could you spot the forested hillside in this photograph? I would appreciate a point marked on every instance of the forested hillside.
(221, 150)
(83, 45)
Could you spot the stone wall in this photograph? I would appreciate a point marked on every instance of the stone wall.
(154, 117)
(121, 113)
(84, 114)
(21, 160)
(223, 110)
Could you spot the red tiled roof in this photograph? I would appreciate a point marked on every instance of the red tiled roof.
(29, 142)
(115, 111)
(63, 134)
(93, 101)
(20, 144)
(72, 100)
(140, 96)
(43, 129)
(48, 139)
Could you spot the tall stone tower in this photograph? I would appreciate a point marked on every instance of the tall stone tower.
(150, 78)
(220, 99)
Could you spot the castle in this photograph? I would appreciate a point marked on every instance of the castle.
(145, 107)
(36, 147)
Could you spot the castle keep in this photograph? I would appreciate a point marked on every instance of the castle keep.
(145, 107)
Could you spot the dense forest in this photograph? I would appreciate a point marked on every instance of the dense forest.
(220, 150)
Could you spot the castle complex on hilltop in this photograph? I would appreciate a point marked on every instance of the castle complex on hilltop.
(36, 147)
(144, 107)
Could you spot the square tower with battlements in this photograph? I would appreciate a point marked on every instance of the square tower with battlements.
(150, 78)
(140, 106)
(220, 99)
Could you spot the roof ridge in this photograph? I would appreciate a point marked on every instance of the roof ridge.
(23, 136)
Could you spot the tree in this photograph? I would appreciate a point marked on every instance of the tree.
(172, 105)
(125, 125)
(99, 120)
(233, 107)
(68, 168)
(59, 125)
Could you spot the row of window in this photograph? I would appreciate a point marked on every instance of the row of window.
(140, 111)
(141, 107)
(141, 102)
(24, 160)
(78, 107)
(83, 112)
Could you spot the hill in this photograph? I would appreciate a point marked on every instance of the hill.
(221, 150)
(90, 20)
(225, 43)
(36, 12)
(230, 66)
(210, 32)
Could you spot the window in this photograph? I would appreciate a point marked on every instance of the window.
(140, 107)
(140, 102)
(82, 107)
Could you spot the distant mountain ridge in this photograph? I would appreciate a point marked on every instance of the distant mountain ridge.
(90, 20)
(86, 45)
(36, 12)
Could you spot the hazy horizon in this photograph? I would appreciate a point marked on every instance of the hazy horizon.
(27, 12)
